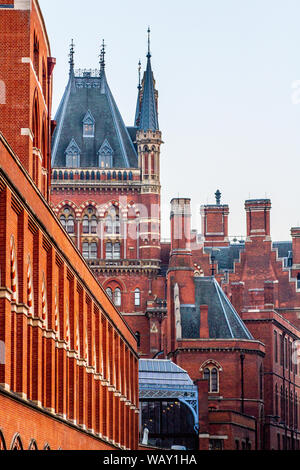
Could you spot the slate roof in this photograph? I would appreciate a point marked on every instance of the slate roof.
(223, 320)
(283, 248)
(225, 256)
(146, 117)
(88, 93)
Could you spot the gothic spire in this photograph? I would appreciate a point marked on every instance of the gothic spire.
(148, 116)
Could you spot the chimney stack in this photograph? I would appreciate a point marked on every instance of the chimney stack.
(258, 219)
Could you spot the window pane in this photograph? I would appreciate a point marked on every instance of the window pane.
(108, 251)
(93, 250)
(85, 225)
(116, 251)
(214, 380)
(109, 292)
(85, 250)
(117, 297)
(137, 297)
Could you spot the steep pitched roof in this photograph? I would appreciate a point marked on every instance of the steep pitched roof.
(223, 320)
(88, 95)
(146, 117)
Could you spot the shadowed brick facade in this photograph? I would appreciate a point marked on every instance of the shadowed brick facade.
(69, 368)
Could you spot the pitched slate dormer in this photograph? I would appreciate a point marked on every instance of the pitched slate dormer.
(105, 155)
(72, 155)
(88, 125)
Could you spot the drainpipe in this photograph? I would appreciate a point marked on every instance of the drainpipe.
(242, 358)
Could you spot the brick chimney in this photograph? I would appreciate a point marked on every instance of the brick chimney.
(295, 232)
(180, 225)
(258, 219)
(215, 223)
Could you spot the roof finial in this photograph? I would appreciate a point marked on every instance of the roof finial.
(149, 39)
(218, 197)
(139, 70)
(71, 56)
(102, 56)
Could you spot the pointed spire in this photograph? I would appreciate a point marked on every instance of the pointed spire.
(71, 57)
(102, 56)
(147, 119)
(149, 41)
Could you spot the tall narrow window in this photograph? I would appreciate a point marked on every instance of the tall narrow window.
(85, 250)
(116, 251)
(108, 250)
(109, 292)
(94, 224)
(117, 297)
(211, 374)
(85, 224)
(137, 297)
(214, 380)
(275, 346)
(93, 250)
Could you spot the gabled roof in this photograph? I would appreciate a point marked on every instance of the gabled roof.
(223, 320)
(88, 96)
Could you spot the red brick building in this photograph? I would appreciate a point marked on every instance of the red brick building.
(68, 365)
(225, 311)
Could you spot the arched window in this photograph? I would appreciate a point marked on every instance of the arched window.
(214, 380)
(67, 220)
(298, 281)
(108, 224)
(130, 176)
(16, 443)
(211, 374)
(117, 297)
(137, 297)
(276, 400)
(2, 442)
(36, 56)
(63, 221)
(60, 175)
(109, 292)
(119, 176)
(112, 223)
(66, 175)
(85, 224)
(55, 175)
(33, 445)
(114, 175)
(125, 176)
(93, 224)
(117, 225)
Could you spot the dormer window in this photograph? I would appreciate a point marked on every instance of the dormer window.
(88, 125)
(72, 155)
(105, 155)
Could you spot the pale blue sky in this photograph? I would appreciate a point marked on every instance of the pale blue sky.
(224, 71)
